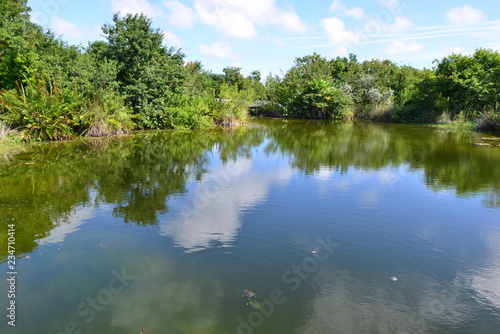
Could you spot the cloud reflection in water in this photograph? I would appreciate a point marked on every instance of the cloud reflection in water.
(211, 211)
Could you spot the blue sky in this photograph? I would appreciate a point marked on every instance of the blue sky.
(267, 35)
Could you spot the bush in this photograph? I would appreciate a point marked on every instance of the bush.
(107, 115)
(44, 114)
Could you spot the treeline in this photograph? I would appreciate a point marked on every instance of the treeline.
(51, 90)
(459, 88)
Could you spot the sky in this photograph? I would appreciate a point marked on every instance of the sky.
(267, 35)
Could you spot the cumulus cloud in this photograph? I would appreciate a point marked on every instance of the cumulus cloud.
(222, 50)
(354, 12)
(228, 20)
(136, 7)
(337, 33)
(66, 28)
(233, 18)
(400, 47)
(180, 15)
(289, 21)
(172, 39)
(465, 15)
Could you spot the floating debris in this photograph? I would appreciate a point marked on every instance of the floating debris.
(248, 294)
(394, 278)
(25, 257)
(254, 304)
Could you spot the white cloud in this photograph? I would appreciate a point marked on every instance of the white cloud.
(337, 33)
(288, 21)
(233, 18)
(228, 21)
(222, 50)
(68, 29)
(400, 24)
(136, 7)
(171, 39)
(355, 12)
(180, 15)
(465, 15)
(400, 47)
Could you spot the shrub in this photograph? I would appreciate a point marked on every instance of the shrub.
(107, 115)
(43, 113)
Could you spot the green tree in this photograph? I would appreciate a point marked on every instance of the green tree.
(148, 72)
(470, 83)
(255, 76)
(233, 77)
(19, 43)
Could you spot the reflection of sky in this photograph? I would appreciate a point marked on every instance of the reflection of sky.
(68, 226)
(486, 280)
(410, 305)
(330, 179)
(211, 211)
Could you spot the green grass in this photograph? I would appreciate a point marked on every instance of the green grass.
(457, 126)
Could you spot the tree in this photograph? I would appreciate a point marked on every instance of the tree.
(233, 77)
(148, 72)
(469, 83)
(18, 44)
(255, 76)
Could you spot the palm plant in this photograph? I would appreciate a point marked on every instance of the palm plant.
(44, 113)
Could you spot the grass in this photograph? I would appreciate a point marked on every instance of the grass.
(457, 126)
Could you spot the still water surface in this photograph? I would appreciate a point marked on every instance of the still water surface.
(162, 231)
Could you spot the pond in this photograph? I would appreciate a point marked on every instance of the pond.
(337, 228)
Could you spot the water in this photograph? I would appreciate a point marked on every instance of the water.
(162, 231)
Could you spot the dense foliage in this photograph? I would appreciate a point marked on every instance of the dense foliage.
(51, 90)
(459, 88)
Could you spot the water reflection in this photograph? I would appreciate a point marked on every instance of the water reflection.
(69, 225)
(210, 213)
(348, 304)
(139, 176)
(485, 280)
(404, 201)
